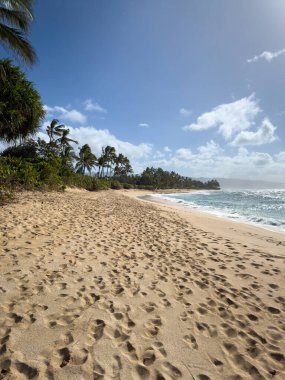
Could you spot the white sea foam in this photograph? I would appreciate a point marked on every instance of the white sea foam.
(265, 208)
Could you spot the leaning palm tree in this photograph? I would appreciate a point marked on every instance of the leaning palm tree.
(109, 154)
(54, 130)
(101, 163)
(123, 166)
(15, 19)
(64, 141)
(86, 160)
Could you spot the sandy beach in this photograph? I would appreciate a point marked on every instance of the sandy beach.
(107, 286)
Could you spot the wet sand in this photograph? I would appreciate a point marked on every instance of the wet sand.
(106, 286)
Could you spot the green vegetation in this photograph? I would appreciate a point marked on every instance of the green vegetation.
(51, 163)
(21, 110)
(154, 179)
(15, 19)
(86, 160)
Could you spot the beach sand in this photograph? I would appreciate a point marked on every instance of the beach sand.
(106, 286)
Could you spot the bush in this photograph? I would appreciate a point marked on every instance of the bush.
(128, 186)
(17, 173)
(145, 187)
(100, 184)
(22, 174)
(26, 150)
(48, 176)
(116, 185)
(5, 194)
(86, 182)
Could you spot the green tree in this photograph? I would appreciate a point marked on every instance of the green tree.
(29, 149)
(21, 110)
(86, 160)
(64, 141)
(101, 162)
(54, 130)
(109, 157)
(15, 19)
(122, 165)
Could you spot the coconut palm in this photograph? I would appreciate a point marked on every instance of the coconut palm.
(123, 166)
(64, 141)
(109, 154)
(54, 130)
(86, 160)
(101, 162)
(15, 19)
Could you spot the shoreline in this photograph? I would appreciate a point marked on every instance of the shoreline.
(152, 198)
(189, 208)
(231, 229)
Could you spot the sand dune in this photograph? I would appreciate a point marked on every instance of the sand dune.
(105, 286)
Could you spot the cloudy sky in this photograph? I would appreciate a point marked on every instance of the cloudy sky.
(193, 86)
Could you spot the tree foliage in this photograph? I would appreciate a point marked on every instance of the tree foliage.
(157, 178)
(86, 160)
(15, 19)
(21, 110)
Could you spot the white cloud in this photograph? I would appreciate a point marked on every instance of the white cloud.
(280, 156)
(185, 112)
(265, 134)
(184, 153)
(144, 125)
(261, 159)
(243, 164)
(210, 149)
(267, 56)
(166, 149)
(93, 106)
(97, 138)
(72, 115)
(229, 118)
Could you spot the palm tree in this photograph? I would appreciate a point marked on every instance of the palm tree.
(123, 166)
(64, 141)
(15, 19)
(67, 157)
(86, 160)
(109, 154)
(54, 130)
(101, 162)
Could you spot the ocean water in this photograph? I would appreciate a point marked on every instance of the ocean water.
(265, 208)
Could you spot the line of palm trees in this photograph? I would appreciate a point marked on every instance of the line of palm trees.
(109, 164)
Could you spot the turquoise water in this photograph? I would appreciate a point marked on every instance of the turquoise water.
(262, 207)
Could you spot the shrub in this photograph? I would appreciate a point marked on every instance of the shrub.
(17, 173)
(86, 182)
(48, 176)
(5, 194)
(128, 186)
(116, 185)
(145, 187)
(26, 150)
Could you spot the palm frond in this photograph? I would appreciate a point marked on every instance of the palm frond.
(15, 40)
(15, 17)
(22, 5)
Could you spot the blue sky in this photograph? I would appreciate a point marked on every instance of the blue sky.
(189, 85)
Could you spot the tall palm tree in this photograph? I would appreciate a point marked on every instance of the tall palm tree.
(86, 160)
(54, 130)
(123, 166)
(101, 162)
(15, 19)
(64, 141)
(109, 154)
